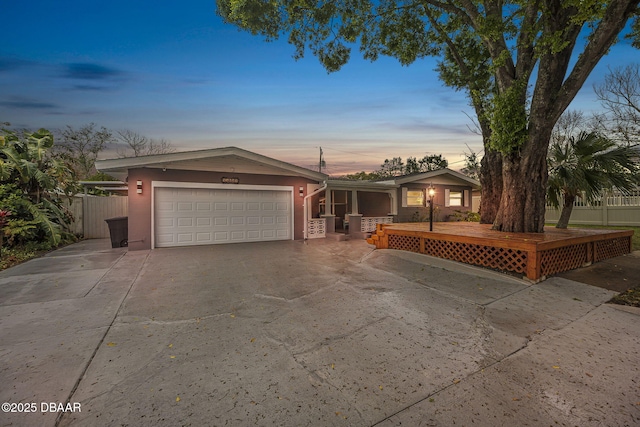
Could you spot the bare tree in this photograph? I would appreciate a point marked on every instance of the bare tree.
(80, 147)
(620, 96)
(134, 144)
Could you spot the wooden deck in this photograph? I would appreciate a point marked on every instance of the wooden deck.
(536, 255)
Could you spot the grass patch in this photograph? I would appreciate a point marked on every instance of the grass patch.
(630, 297)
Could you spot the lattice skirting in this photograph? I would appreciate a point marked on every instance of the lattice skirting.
(504, 259)
(550, 261)
(563, 259)
(611, 248)
(405, 243)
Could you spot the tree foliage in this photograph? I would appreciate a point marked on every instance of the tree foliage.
(32, 186)
(489, 49)
(471, 165)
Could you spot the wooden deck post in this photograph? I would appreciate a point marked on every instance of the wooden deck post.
(533, 265)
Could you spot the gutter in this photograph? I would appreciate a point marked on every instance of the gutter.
(304, 206)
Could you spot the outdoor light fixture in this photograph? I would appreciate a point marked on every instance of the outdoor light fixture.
(431, 192)
(301, 191)
(139, 187)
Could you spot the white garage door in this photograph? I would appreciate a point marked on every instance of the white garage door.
(201, 216)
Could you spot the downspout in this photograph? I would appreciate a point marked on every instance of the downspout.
(304, 206)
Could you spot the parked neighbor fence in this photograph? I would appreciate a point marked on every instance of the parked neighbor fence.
(613, 209)
(90, 212)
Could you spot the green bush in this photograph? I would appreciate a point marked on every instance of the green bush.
(466, 216)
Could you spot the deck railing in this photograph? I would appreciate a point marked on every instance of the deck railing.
(369, 224)
(316, 228)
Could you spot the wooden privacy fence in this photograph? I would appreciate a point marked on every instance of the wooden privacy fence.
(90, 212)
(536, 255)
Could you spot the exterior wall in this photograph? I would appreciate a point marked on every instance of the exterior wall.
(441, 212)
(373, 204)
(140, 210)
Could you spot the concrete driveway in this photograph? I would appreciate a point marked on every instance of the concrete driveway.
(320, 333)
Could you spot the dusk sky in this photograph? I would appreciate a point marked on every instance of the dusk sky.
(173, 70)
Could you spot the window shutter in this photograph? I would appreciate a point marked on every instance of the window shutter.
(404, 197)
(446, 197)
(466, 201)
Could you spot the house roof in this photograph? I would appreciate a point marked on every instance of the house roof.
(226, 159)
(435, 176)
(346, 184)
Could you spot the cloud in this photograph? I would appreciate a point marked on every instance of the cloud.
(28, 104)
(93, 77)
(86, 71)
(10, 64)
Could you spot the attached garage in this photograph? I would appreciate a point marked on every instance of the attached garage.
(215, 196)
(215, 214)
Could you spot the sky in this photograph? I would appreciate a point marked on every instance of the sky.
(172, 70)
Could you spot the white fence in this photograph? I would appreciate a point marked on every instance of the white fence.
(90, 212)
(613, 209)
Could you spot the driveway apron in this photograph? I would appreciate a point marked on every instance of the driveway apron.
(310, 333)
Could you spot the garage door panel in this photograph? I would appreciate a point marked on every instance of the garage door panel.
(185, 237)
(203, 237)
(165, 206)
(185, 222)
(203, 222)
(208, 216)
(220, 236)
(220, 221)
(164, 239)
(238, 220)
(185, 206)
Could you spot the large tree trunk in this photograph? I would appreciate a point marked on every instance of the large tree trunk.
(524, 177)
(491, 183)
(567, 208)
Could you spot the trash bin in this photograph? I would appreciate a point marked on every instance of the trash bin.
(119, 231)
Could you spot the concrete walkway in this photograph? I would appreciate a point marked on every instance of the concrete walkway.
(316, 333)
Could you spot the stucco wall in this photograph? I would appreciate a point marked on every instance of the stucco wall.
(140, 204)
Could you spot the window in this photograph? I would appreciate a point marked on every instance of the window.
(455, 198)
(415, 198)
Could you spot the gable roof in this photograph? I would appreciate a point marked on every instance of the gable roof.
(226, 159)
(434, 174)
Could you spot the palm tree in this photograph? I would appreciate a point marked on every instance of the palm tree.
(585, 166)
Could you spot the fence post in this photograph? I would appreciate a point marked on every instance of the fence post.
(605, 208)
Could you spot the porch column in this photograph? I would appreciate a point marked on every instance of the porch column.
(330, 223)
(393, 202)
(354, 202)
(328, 202)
